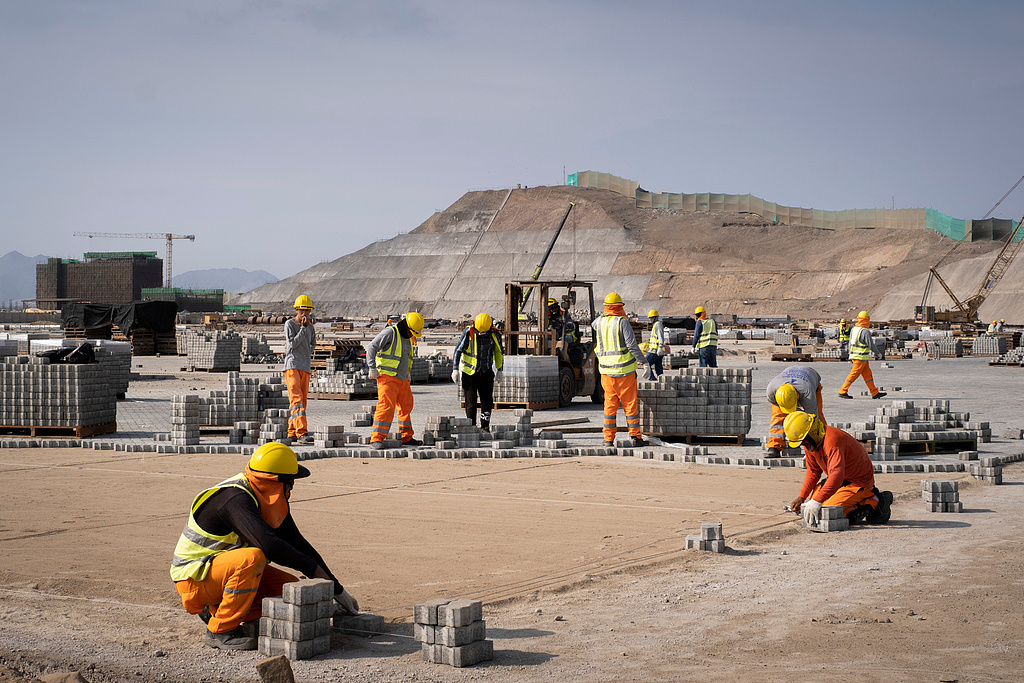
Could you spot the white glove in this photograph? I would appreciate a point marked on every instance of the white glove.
(349, 605)
(497, 377)
(647, 371)
(373, 373)
(811, 510)
(455, 376)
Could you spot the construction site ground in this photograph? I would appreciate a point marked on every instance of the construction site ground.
(579, 561)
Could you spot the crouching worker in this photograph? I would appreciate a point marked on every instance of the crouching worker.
(235, 529)
(798, 387)
(850, 475)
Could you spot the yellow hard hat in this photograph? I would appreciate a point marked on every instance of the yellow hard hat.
(482, 322)
(415, 322)
(276, 458)
(303, 303)
(1002, 320)
(552, 302)
(863, 315)
(613, 298)
(652, 314)
(993, 322)
(843, 321)
(798, 426)
(786, 398)
(699, 310)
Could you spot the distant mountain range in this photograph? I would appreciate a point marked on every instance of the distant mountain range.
(234, 280)
(18, 277)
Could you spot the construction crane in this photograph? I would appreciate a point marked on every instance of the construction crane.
(153, 235)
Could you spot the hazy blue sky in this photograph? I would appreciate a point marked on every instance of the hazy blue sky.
(287, 132)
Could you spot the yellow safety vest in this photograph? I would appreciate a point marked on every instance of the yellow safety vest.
(859, 349)
(196, 547)
(844, 335)
(655, 344)
(388, 361)
(708, 333)
(468, 360)
(613, 356)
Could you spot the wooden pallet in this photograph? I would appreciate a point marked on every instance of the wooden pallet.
(59, 432)
(909, 447)
(705, 439)
(358, 396)
(1004, 364)
(793, 357)
(191, 368)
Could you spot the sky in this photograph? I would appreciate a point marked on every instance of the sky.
(283, 133)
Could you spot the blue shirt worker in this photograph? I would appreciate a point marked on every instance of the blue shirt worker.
(705, 339)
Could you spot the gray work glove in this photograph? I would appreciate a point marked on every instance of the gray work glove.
(811, 511)
(498, 376)
(373, 373)
(349, 605)
(647, 371)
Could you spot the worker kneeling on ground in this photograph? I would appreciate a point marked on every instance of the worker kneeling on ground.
(235, 529)
(798, 387)
(389, 357)
(478, 349)
(862, 346)
(299, 341)
(849, 473)
(618, 356)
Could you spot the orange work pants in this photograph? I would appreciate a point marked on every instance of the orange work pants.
(849, 496)
(620, 390)
(776, 436)
(234, 588)
(391, 393)
(298, 392)
(860, 369)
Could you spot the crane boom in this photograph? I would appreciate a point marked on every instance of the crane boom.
(154, 235)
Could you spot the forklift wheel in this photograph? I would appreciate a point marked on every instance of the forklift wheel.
(566, 387)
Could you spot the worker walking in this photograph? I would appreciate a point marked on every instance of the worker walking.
(849, 472)
(705, 339)
(844, 340)
(798, 387)
(221, 565)
(657, 345)
(479, 349)
(299, 342)
(389, 357)
(618, 355)
(862, 346)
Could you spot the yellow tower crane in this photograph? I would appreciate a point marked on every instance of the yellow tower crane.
(154, 235)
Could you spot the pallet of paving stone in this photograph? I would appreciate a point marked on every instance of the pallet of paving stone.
(195, 368)
(793, 357)
(328, 396)
(513, 405)
(59, 432)
(704, 439)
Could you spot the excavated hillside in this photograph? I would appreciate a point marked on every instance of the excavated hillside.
(457, 261)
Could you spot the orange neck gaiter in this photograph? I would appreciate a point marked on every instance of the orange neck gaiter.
(863, 323)
(270, 493)
(615, 309)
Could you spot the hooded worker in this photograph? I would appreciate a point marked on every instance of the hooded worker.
(862, 346)
(299, 342)
(618, 356)
(705, 339)
(221, 565)
(849, 473)
(389, 357)
(798, 387)
(657, 345)
(991, 328)
(478, 350)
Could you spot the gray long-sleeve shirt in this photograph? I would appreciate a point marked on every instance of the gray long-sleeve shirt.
(806, 382)
(626, 333)
(382, 342)
(299, 343)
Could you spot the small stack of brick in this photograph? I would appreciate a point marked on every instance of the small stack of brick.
(274, 427)
(364, 418)
(329, 437)
(298, 624)
(185, 420)
(710, 538)
(989, 469)
(941, 495)
(831, 519)
(452, 632)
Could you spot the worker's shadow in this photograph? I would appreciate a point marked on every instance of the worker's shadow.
(399, 641)
(930, 524)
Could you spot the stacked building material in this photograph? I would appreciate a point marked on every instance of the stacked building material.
(8, 347)
(831, 519)
(782, 338)
(950, 347)
(256, 349)
(273, 394)
(36, 393)
(419, 373)
(185, 420)
(676, 360)
(713, 401)
(274, 427)
(332, 436)
(1013, 357)
(986, 345)
(903, 422)
(298, 624)
(244, 432)
(710, 538)
(452, 632)
(527, 379)
(440, 367)
(117, 362)
(212, 350)
(344, 377)
(941, 495)
(989, 469)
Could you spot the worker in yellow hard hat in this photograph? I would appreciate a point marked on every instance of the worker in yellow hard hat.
(222, 567)
(798, 387)
(999, 325)
(843, 335)
(478, 351)
(657, 345)
(849, 472)
(618, 356)
(705, 339)
(299, 342)
(862, 346)
(991, 328)
(389, 357)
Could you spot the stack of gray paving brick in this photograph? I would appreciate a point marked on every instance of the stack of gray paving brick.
(941, 495)
(344, 377)
(782, 338)
(828, 352)
(550, 438)
(676, 337)
(757, 333)
(440, 367)
(363, 418)
(452, 632)
(951, 347)
(438, 431)
(465, 433)
(185, 420)
(36, 393)
(711, 401)
(831, 519)
(275, 426)
(243, 394)
(256, 349)
(1012, 357)
(899, 422)
(988, 469)
(526, 379)
(214, 350)
(298, 624)
(419, 373)
(986, 345)
(116, 358)
(676, 360)
(332, 436)
(273, 394)
(8, 347)
(245, 432)
(710, 538)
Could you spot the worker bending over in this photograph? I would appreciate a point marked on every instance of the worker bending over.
(705, 339)
(798, 387)
(849, 473)
(618, 355)
(389, 357)
(235, 529)
(657, 345)
(862, 346)
(478, 350)
(299, 342)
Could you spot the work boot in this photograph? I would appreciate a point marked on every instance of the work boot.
(376, 445)
(880, 394)
(235, 639)
(205, 614)
(305, 439)
(412, 442)
(485, 423)
(774, 453)
(610, 444)
(845, 396)
(639, 442)
(859, 514)
(882, 513)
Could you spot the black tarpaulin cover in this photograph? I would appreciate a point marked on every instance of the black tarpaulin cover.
(149, 315)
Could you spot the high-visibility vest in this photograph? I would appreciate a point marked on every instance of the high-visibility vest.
(844, 335)
(859, 349)
(468, 360)
(196, 547)
(388, 360)
(708, 333)
(613, 356)
(655, 344)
